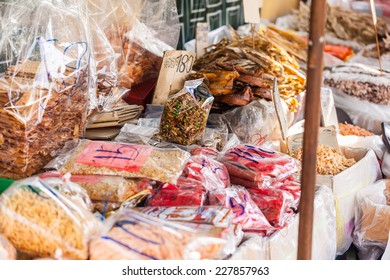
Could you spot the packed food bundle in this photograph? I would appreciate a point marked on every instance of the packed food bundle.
(349, 129)
(362, 81)
(188, 193)
(44, 83)
(343, 24)
(238, 71)
(131, 235)
(185, 114)
(329, 160)
(46, 219)
(254, 167)
(245, 211)
(121, 159)
(218, 216)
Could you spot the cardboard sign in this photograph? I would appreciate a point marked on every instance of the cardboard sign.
(282, 119)
(326, 136)
(252, 10)
(175, 67)
(201, 37)
(275, 8)
(328, 109)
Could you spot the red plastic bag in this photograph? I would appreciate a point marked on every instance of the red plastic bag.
(252, 166)
(211, 173)
(208, 152)
(191, 194)
(245, 211)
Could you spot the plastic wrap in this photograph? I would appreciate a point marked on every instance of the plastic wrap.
(211, 173)
(110, 188)
(136, 134)
(372, 220)
(185, 114)
(283, 244)
(253, 167)
(363, 113)
(386, 165)
(186, 193)
(205, 151)
(130, 235)
(246, 213)
(7, 251)
(120, 159)
(41, 221)
(139, 32)
(374, 143)
(275, 204)
(212, 215)
(386, 254)
(254, 123)
(44, 82)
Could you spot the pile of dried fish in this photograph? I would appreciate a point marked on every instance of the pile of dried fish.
(238, 71)
(343, 24)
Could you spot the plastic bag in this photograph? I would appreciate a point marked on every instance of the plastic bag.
(211, 173)
(372, 220)
(246, 213)
(386, 165)
(186, 193)
(185, 114)
(254, 123)
(274, 203)
(110, 188)
(7, 251)
(205, 151)
(374, 143)
(253, 167)
(120, 159)
(42, 221)
(211, 215)
(363, 113)
(130, 235)
(139, 32)
(136, 134)
(44, 82)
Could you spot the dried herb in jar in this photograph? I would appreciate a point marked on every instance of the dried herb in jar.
(185, 115)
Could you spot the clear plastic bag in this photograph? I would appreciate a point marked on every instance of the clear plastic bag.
(245, 211)
(186, 193)
(7, 251)
(130, 235)
(136, 134)
(276, 204)
(44, 82)
(42, 221)
(372, 220)
(210, 215)
(139, 32)
(110, 188)
(386, 165)
(185, 114)
(254, 123)
(205, 151)
(120, 159)
(374, 143)
(253, 167)
(211, 173)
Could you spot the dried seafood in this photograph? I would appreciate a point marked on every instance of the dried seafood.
(257, 62)
(343, 24)
(349, 129)
(329, 161)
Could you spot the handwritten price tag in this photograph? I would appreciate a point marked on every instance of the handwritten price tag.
(252, 10)
(115, 155)
(175, 67)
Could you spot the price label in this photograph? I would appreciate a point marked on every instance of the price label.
(282, 119)
(202, 39)
(176, 65)
(252, 10)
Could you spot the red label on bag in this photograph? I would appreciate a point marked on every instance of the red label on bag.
(92, 179)
(119, 156)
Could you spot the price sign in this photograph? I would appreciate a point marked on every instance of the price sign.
(252, 10)
(175, 67)
(202, 39)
